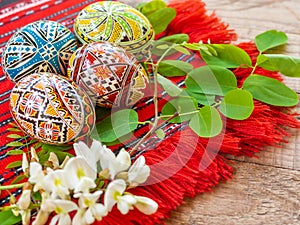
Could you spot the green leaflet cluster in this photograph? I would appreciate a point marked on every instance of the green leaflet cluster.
(211, 91)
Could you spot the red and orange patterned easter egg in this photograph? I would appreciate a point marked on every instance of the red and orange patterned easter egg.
(51, 109)
(110, 75)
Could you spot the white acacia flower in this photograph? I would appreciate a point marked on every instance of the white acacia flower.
(24, 200)
(25, 215)
(25, 164)
(114, 195)
(80, 176)
(42, 216)
(34, 156)
(79, 218)
(36, 176)
(108, 160)
(56, 183)
(92, 154)
(125, 203)
(61, 208)
(90, 210)
(54, 160)
(146, 205)
(138, 172)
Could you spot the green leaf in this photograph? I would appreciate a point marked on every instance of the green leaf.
(226, 55)
(207, 122)
(14, 164)
(120, 140)
(15, 152)
(210, 80)
(167, 42)
(162, 46)
(160, 134)
(175, 38)
(270, 91)
(202, 99)
(14, 129)
(270, 39)
(117, 125)
(184, 105)
(287, 65)
(152, 6)
(8, 218)
(161, 18)
(55, 148)
(193, 46)
(18, 179)
(15, 136)
(182, 50)
(237, 104)
(140, 6)
(171, 68)
(171, 88)
(15, 144)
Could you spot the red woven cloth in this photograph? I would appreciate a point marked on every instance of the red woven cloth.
(182, 164)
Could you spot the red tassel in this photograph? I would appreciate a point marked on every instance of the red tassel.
(192, 19)
(174, 175)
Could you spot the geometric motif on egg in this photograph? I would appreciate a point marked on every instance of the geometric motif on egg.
(115, 22)
(110, 75)
(51, 109)
(41, 46)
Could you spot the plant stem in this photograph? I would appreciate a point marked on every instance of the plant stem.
(155, 100)
(179, 114)
(256, 65)
(7, 187)
(151, 132)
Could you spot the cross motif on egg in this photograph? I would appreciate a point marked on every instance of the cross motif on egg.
(41, 46)
(109, 75)
(51, 109)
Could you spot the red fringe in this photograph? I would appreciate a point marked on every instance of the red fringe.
(182, 159)
(184, 164)
(192, 19)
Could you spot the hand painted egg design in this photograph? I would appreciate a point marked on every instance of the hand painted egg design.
(108, 74)
(51, 109)
(115, 22)
(42, 46)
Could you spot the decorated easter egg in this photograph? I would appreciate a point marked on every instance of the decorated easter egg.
(114, 22)
(42, 46)
(51, 109)
(109, 74)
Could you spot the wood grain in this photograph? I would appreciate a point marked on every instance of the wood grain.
(265, 189)
(257, 195)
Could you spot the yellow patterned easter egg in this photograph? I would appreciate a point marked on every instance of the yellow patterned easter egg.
(115, 22)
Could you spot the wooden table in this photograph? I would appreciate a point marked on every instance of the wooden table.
(264, 190)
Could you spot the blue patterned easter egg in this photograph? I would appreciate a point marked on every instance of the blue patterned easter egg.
(51, 109)
(42, 46)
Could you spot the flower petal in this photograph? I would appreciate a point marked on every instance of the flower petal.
(146, 205)
(24, 200)
(77, 169)
(138, 172)
(64, 219)
(124, 160)
(125, 203)
(99, 211)
(114, 189)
